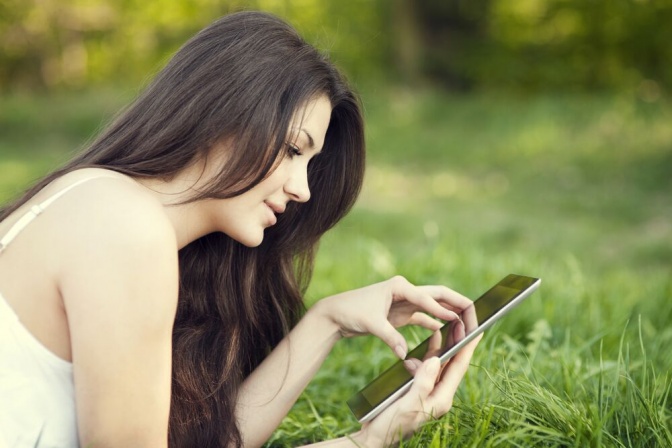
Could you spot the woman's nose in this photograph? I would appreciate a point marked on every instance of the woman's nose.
(297, 185)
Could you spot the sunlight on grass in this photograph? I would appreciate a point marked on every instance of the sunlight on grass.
(15, 173)
(395, 188)
(461, 190)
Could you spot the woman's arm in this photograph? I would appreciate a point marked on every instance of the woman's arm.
(270, 391)
(118, 279)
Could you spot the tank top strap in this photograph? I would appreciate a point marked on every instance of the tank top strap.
(36, 210)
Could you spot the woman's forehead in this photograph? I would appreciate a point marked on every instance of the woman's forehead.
(311, 121)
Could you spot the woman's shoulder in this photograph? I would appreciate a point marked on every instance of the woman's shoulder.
(97, 237)
(100, 203)
(115, 234)
(97, 186)
(102, 215)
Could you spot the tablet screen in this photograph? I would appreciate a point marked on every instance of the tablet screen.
(472, 320)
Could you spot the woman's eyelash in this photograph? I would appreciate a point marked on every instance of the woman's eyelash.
(293, 150)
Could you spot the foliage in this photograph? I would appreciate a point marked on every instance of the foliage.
(532, 45)
(521, 45)
(72, 43)
(461, 190)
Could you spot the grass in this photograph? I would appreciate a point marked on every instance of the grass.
(462, 190)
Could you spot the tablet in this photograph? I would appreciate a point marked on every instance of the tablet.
(444, 343)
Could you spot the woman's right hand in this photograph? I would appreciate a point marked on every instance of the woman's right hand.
(381, 308)
(430, 396)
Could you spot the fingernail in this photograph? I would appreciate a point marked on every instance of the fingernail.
(455, 316)
(410, 365)
(399, 350)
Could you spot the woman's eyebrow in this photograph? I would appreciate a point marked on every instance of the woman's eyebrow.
(311, 142)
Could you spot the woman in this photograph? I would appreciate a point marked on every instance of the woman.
(152, 287)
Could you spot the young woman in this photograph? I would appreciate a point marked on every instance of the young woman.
(152, 287)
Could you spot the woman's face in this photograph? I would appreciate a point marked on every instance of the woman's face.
(245, 217)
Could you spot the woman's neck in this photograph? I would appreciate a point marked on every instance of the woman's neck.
(189, 219)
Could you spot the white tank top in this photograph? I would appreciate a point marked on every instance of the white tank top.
(37, 393)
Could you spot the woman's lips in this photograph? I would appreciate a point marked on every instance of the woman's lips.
(273, 212)
(276, 208)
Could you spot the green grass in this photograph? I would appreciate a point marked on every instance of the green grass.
(462, 190)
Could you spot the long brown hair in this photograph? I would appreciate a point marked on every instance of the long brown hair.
(242, 79)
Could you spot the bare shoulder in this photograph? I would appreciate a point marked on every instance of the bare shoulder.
(109, 205)
(118, 277)
(113, 235)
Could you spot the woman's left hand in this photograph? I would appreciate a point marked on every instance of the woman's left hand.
(380, 308)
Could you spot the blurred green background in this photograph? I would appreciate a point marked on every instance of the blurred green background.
(503, 136)
(527, 45)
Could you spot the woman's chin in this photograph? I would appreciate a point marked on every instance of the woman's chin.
(250, 240)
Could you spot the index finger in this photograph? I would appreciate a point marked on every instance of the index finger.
(448, 298)
(418, 297)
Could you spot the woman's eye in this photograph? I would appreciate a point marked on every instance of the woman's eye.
(293, 150)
